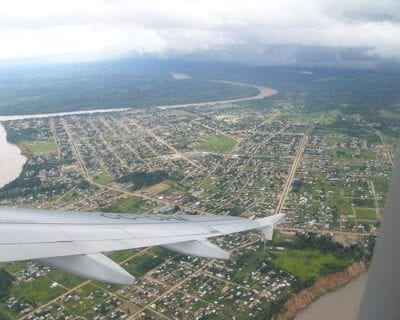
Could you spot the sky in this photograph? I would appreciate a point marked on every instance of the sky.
(254, 31)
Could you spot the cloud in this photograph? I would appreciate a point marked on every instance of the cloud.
(72, 29)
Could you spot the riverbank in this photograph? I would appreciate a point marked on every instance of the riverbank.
(347, 297)
(11, 159)
(297, 303)
(263, 92)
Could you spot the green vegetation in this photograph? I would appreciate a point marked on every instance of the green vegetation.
(308, 265)
(217, 143)
(341, 204)
(119, 256)
(142, 264)
(247, 262)
(90, 296)
(29, 183)
(39, 147)
(232, 211)
(70, 196)
(65, 279)
(174, 187)
(5, 284)
(143, 179)
(38, 291)
(127, 205)
(349, 153)
(324, 117)
(365, 213)
(103, 178)
(381, 183)
(209, 183)
(119, 84)
(20, 135)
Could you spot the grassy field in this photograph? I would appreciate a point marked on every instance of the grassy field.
(365, 213)
(174, 188)
(103, 179)
(325, 117)
(381, 183)
(128, 205)
(308, 265)
(39, 147)
(119, 256)
(342, 204)
(350, 154)
(217, 143)
(38, 290)
(209, 183)
(70, 196)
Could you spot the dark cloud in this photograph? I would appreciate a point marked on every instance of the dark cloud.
(257, 31)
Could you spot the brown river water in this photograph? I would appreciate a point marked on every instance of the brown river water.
(342, 304)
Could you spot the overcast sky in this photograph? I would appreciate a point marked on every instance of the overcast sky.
(233, 29)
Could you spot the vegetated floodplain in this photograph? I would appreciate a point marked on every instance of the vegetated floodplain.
(105, 85)
(217, 143)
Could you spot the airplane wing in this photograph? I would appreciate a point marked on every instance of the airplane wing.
(74, 242)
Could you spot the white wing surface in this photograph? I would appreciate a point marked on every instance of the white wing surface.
(73, 242)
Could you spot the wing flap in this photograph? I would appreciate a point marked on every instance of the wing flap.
(234, 227)
(92, 266)
(202, 249)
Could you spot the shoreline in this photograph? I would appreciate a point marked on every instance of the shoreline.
(264, 92)
(12, 160)
(331, 283)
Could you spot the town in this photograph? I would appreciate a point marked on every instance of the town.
(224, 159)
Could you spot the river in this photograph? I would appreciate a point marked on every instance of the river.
(11, 159)
(341, 304)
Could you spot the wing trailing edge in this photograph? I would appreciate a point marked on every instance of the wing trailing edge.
(202, 249)
(205, 249)
(91, 266)
(267, 225)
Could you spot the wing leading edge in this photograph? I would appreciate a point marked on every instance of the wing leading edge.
(73, 242)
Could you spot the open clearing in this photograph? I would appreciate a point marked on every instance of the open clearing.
(309, 264)
(128, 205)
(217, 143)
(39, 147)
(103, 179)
(157, 188)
